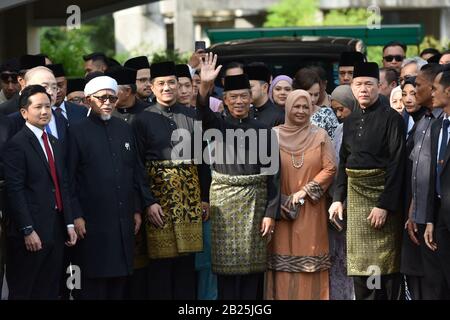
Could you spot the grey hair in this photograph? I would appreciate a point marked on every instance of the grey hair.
(417, 60)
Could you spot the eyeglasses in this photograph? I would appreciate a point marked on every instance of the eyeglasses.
(103, 99)
(9, 77)
(397, 58)
(78, 100)
(143, 80)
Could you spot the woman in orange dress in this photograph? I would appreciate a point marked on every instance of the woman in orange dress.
(299, 257)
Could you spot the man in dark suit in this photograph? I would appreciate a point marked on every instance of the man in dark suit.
(39, 211)
(58, 123)
(4, 137)
(437, 232)
(70, 111)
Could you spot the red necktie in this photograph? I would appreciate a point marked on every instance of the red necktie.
(51, 163)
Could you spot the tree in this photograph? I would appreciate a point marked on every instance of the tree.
(293, 13)
(347, 17)
(68, 46)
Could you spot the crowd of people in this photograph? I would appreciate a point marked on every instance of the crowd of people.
(292, 192)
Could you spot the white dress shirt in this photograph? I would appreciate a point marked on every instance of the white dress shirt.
(38, 133)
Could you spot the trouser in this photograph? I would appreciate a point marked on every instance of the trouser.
(36, 275)
(103, 288)
(432, 285)
(240, 287)
(137, 285)
(172, 278)
(442, 233)
(2, 253)
(390, 287)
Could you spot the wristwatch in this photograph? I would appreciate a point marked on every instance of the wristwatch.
(27, 230)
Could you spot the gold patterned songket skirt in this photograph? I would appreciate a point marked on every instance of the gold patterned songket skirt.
(176, 186)
(238, 206)
(368, 248)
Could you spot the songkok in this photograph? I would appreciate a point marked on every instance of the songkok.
(92, 75)
(366, 69)
(137, 63)
(183, 71)
(122, 75)
(236, 82)
(349, 59)
(258, 72)
(57, 69)
(30, 61)
(162, 69)
(77, 84)
(11, 65)
(100, 83)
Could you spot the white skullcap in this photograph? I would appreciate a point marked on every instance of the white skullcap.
(100, 83)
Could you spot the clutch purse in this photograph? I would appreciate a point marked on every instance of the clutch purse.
(336, 224)
(289, 211)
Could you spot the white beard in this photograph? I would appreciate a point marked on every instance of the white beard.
(105, 117)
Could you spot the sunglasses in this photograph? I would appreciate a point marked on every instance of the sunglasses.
(9, 77)
(102, 99)
(397, 58)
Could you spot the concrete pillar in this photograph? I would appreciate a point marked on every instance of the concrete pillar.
(155, 26)
(444, 29)
(183, 26)
(33, 40)
(140, 30)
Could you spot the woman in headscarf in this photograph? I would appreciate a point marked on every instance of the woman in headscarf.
(299, 258)
(396, 99)
(279, 89)
(343, 103)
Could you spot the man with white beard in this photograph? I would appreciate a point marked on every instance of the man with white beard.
(108, 193)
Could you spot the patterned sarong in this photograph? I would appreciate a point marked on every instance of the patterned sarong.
(176, 186)
(238, 206)
(367, 246)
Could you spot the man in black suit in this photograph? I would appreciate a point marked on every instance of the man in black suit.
(4, 137)
(39, 211)
(58, 125)
(69, 111)
(437, 232)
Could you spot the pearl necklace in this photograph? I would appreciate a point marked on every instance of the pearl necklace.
(296, 164)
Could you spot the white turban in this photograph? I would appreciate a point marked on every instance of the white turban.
(100, 83)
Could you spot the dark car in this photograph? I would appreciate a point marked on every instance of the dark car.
(285, 55)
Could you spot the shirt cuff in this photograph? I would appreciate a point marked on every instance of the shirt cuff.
(70, 226)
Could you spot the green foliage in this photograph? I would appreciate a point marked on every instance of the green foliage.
(347, 17)
(169, 55)
(428, 42)
(292, 13)
(68, 46)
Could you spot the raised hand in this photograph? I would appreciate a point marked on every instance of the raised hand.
(208, 70)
